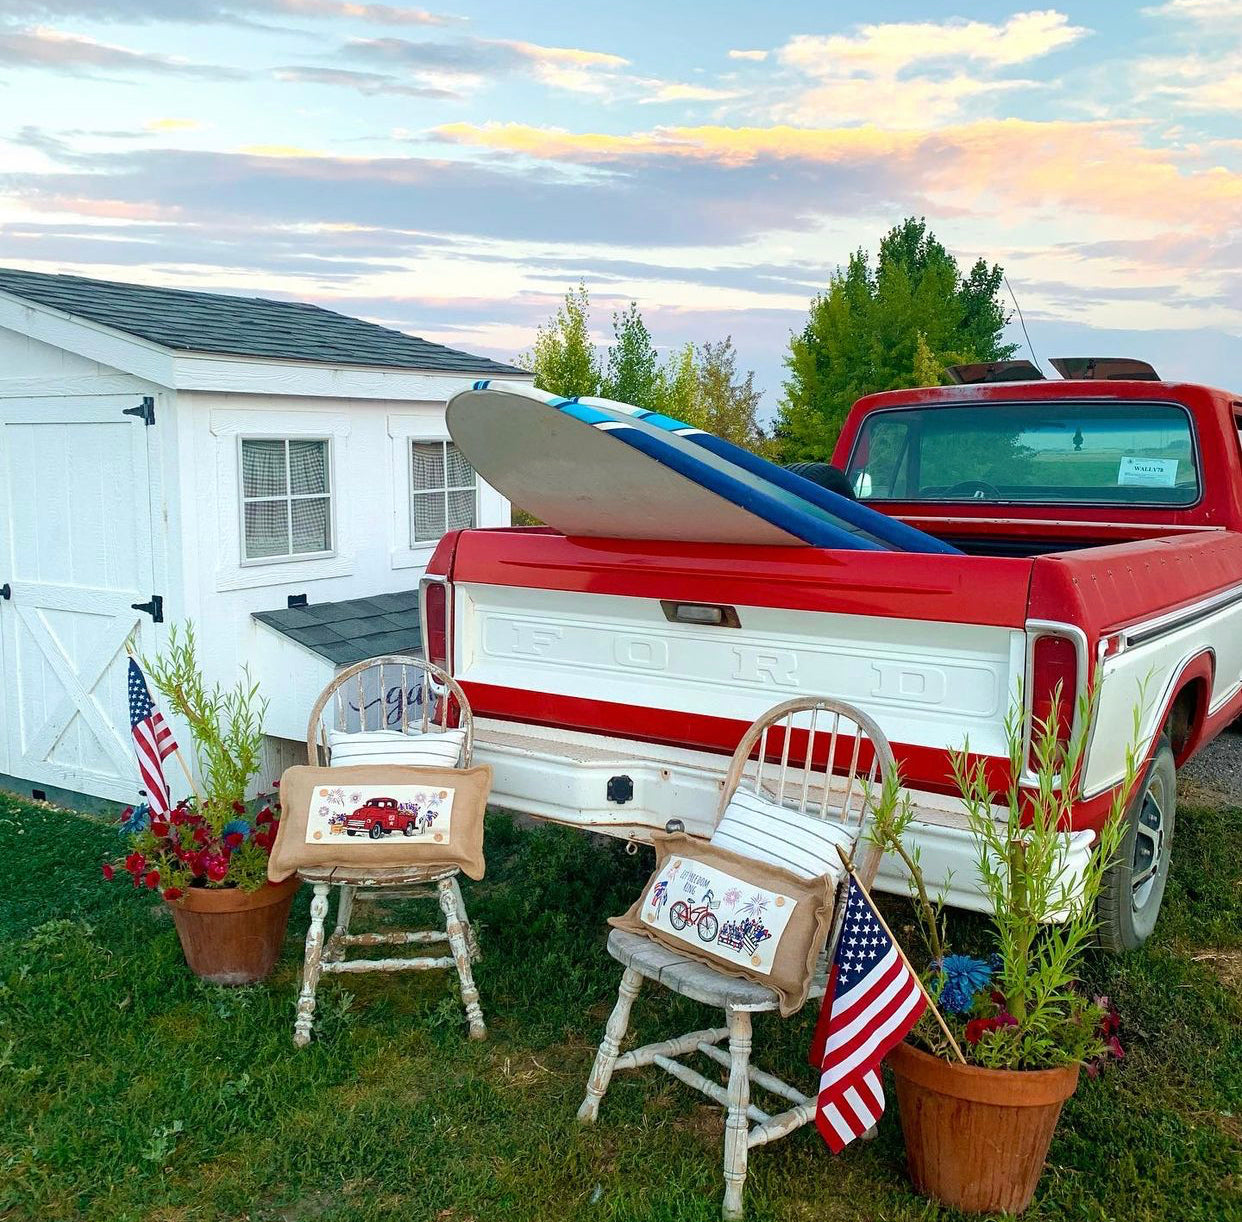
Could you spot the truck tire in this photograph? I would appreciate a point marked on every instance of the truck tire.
(1134, 885)
(376, 831)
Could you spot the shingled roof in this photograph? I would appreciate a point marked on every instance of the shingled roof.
(346, 632)
(241, 326)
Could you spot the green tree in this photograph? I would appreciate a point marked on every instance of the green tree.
(727, 403)
(885, 328)
(680, 393)
(633, 372)
(563, 358)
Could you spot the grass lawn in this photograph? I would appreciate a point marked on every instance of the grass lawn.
(130, 1091)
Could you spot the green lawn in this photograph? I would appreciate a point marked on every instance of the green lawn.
(130, 1091)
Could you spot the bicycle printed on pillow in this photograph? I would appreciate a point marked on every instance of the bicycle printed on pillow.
(698, 916)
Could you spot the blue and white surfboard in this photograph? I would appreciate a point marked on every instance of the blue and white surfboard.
(596, 467)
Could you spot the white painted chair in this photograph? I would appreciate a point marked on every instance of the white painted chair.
(853, 762)
(391, 692)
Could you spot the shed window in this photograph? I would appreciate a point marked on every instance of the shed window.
(444, 491)
(286, 498)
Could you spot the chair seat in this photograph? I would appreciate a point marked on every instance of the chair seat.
(688, 976)
(380, 876)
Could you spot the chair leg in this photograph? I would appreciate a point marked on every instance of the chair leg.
(461, 956)
(311, 967)
(335, 948)
(610, 1046)
(471, 941)
(736, 1132)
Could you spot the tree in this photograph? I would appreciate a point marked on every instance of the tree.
(679, 390)
(894, 326)
(726, 404)
(633, 374)
(563, 358)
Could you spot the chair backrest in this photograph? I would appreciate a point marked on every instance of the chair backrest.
(819, 756)
(392, 692)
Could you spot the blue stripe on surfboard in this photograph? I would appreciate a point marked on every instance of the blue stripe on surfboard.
(800, 525)
(873, 524)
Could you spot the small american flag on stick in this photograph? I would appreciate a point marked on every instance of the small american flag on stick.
(153, 741)
(873, 1000)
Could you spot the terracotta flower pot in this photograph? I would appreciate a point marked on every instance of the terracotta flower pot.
(977, 1138)
(231, 936)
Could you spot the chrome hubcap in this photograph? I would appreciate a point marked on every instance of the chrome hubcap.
(1148, 847)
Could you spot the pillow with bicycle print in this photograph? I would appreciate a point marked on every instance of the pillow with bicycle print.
(746, 918)
(381, 815)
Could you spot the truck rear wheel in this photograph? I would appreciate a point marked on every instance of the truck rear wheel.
(1133, 886)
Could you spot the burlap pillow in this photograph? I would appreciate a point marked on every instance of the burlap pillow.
(743, 917)
(380, 815)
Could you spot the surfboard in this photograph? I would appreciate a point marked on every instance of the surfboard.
(596, 467)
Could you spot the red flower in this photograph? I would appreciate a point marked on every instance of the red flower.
(265, 839)
(977, 1028)
(264, 816)
(197, 862)
(239, 808)
(234, 840)
(201, 835)
(152, 879)
(177, 818)
(159, 828)
(108, 872)
(275, 784)
(135, 863)
(173, 893)
(217, 868)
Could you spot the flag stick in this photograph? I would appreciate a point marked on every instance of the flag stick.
(849, 865)
(176, 750)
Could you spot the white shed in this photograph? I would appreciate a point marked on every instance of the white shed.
(169, 455)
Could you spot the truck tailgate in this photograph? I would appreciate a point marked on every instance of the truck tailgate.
(612, 663)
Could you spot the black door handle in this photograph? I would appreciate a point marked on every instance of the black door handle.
(6, 591)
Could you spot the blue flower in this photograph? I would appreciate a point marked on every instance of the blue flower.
(138, 820)
(963, 978)
(237, 825)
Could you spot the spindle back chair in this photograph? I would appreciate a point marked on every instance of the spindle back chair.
(820, 757)
(406, 694)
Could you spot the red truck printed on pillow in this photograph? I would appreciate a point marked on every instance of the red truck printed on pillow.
(379, 817)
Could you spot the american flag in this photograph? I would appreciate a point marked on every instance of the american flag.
(153, 741)
(873, 1000)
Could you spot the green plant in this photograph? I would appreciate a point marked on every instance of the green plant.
(225, 723)
(1022, 1009)
(211, 839)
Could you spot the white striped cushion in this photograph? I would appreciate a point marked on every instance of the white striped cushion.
(441, 749)
(764, 831)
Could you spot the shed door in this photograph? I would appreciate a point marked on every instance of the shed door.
(75, 550)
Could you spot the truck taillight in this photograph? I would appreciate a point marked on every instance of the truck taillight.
(434, 605)
(1054, 686)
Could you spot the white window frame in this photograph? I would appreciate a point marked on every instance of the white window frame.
(288, 497)
(444, 490)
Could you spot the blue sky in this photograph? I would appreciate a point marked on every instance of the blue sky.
(450, 171)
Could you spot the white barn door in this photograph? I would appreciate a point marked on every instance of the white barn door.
(75, 553)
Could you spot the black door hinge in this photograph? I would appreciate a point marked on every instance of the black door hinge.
(6, 591)
(145, 411)
(155, 608)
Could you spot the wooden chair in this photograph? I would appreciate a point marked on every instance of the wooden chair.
(844, 756)
(391, 692)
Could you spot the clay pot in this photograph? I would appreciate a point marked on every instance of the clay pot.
(977, 1138)
(231, 936)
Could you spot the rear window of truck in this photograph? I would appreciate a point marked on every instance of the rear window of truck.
(1089, 452)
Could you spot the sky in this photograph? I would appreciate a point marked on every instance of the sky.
(451, 171)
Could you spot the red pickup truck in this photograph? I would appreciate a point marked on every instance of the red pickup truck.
(1096, 538)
